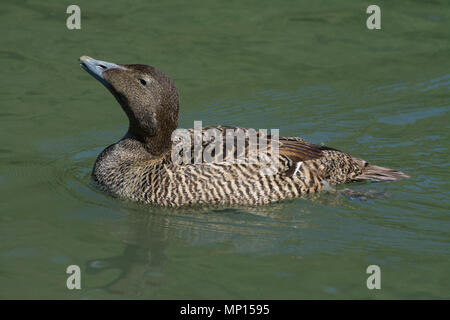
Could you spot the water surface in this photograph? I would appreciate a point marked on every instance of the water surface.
(311, 69)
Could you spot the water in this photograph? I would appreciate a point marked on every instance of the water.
(311, 69)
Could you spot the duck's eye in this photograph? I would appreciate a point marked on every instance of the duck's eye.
(143, 82)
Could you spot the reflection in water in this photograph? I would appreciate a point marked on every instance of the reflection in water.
(142, 262)
(146, 236)
(260, 231)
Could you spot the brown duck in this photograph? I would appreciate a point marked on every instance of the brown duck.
(141, 166)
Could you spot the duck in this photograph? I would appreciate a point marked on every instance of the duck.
(141, 166)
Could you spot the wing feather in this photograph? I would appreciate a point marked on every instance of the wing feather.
(293, 148)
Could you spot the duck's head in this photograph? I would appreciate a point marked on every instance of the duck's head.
(148, 97)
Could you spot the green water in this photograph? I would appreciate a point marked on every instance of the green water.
(310, 68)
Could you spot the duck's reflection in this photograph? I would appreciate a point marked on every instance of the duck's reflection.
(147, 233)
(142, 262)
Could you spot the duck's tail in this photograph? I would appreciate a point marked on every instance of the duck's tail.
(376, 173)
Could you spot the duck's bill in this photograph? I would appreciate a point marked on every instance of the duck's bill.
(96, 68)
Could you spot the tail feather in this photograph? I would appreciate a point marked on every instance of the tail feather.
(376, 173)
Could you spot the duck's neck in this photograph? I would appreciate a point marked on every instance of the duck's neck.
(156, 145)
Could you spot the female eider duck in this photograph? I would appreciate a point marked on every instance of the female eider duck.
(140, 166)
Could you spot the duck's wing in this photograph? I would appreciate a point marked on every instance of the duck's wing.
(295, 149)
(299, 150)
